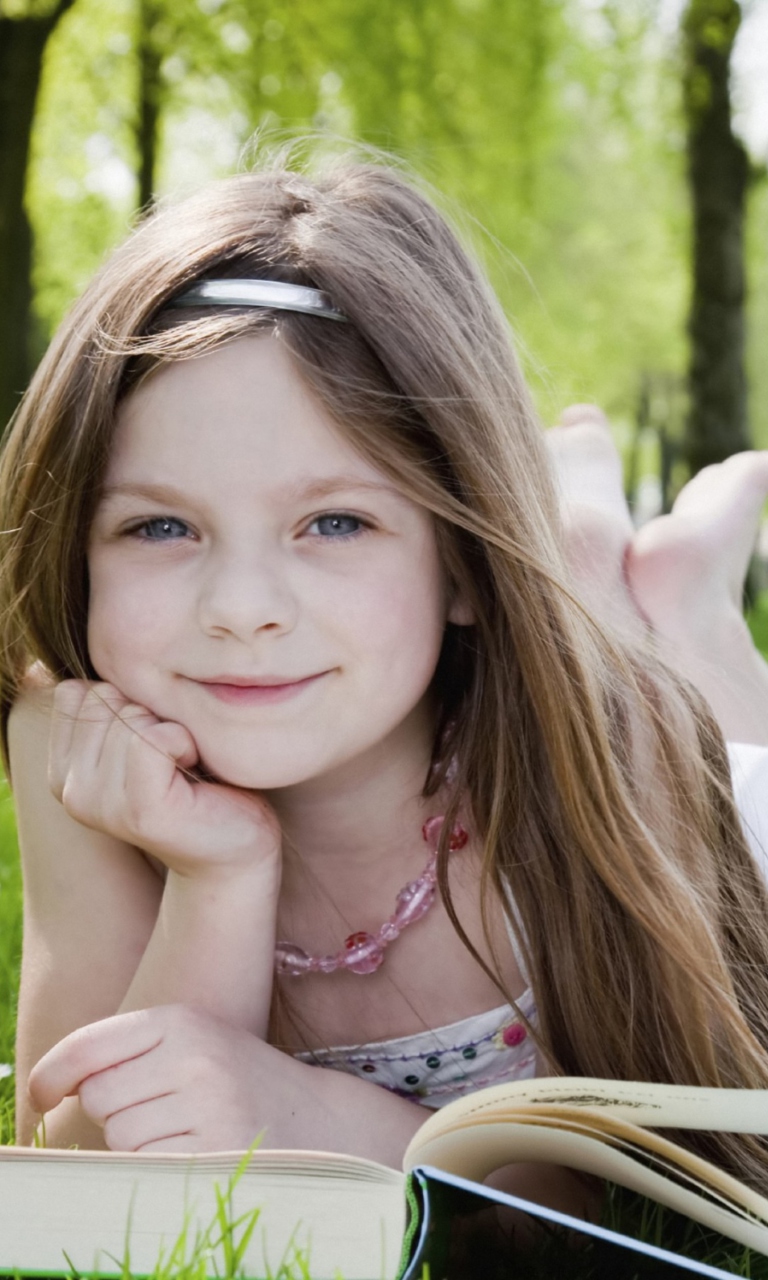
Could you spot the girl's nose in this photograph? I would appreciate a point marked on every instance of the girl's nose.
(242, 595)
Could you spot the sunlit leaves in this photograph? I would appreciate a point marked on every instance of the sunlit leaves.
(554, 123)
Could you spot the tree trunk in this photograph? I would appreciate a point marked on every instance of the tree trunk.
(22, 45)
(718, 170)
(149, 102)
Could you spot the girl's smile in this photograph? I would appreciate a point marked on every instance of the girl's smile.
(244, 693)
(255, 579)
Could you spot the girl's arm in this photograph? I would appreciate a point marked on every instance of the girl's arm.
(170, 1078)
(116, 768)
(90, 905)
(101, 935)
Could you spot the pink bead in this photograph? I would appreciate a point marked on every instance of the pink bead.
(290, 960)
(431, 831)
(414, 901)
(363, 953)
(458, 838)
(514, 1034)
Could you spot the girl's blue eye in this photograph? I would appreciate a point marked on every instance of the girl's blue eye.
(161, 529)
(334, 525)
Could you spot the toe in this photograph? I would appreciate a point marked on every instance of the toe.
(578, 414)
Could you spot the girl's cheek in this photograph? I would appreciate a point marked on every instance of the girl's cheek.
(126, 628)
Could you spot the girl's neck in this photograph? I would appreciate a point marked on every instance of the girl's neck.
(366, 814)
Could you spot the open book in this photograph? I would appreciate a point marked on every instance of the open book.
(343, 1216)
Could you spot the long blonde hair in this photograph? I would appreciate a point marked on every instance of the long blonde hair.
(598, 781)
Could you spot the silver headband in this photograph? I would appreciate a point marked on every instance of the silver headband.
(258, 293)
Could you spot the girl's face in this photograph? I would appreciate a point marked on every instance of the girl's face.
(241, 541)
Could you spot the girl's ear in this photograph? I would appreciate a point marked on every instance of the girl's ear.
(460, 611)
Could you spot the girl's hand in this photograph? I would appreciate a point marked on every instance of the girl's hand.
(116, 767)
(171, 1078)
(168, 1078)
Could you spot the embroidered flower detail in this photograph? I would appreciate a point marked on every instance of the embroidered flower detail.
(510, 1035)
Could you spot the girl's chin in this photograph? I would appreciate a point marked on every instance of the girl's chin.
(232, 774)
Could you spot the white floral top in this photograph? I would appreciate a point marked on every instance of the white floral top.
(434, 1067)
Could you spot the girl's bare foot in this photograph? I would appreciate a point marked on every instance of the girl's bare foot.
(686, 570)
(596, 519)
(680, 578)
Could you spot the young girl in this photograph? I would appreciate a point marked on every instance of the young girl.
(288, 636)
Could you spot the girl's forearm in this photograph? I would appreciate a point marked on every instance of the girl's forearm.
(322, 1109)
(212, 947)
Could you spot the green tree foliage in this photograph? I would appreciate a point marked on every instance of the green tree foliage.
(555, 124)
(24, 32)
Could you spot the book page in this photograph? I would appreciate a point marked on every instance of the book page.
(332, 1214)
(658, 1105)
(476, 1151)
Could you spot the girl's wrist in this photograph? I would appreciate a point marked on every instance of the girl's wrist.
(213, 948)
(262, 873)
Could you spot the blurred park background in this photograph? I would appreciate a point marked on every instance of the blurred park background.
(606, 157)
(614, 151)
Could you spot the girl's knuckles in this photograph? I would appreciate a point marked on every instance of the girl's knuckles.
(67, 696)
(78, 804)
(138, 819)
(56, 784)
(93, 1099)
(100, 703)
(136, 726)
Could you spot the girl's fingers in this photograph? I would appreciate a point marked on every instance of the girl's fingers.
(171, 740)
(100, 1045)
(68, 699)
(99, 740)
(83, 713)
(104, 708)
(139, 764)
(147, 1123)
(126, 1084)
(186, 1143)
(137, 734)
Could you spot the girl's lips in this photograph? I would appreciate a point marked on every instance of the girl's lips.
(258, 695)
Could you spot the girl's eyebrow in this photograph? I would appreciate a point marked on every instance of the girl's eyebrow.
(295, 492)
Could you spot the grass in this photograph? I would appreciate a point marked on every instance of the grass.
(10, 954)
(758, 623)
(624, 1213)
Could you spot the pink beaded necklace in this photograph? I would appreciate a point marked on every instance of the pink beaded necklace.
(363, 952)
